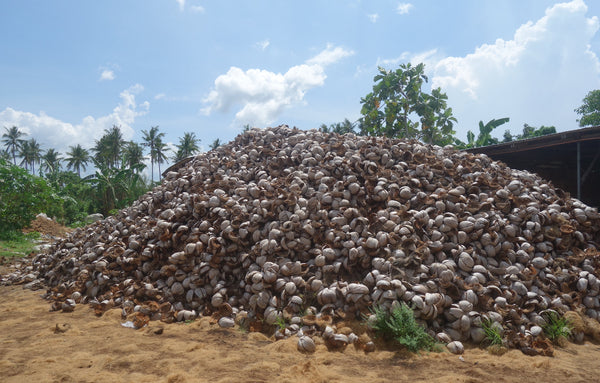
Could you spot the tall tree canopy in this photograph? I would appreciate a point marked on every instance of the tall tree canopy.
(152, 138)
(399, 107)
(188, 146)
(590, 109)
(77, 158)
(108, 149)
(12, 141)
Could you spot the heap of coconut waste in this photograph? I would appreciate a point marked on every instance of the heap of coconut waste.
(303, 229)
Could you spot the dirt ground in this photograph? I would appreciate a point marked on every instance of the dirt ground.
(41, 346)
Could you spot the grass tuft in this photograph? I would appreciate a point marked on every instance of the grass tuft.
(401, 326)
(492, 333)
(556, 326)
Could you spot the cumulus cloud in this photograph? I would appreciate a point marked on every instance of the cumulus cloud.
(373, 17)
(107, 75)
(538, 77)
(263, 95)
(404, 8)
(181, 4)
(54, 133)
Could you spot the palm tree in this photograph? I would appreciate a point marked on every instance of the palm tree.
(188, 146)
(151, 138)
(77, 158)
(216, 143)
(161, 156)
(12, 140)
(51, 161)
(108, 148)
(31, 153)
(133, 157)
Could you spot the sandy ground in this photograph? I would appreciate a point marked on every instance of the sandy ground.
(41, 346)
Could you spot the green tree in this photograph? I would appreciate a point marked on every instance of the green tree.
(151, 139)
(484, 138)
(12, 141)
(340, 127)
(161, 154)
(31, 154)
(51, 161)
(398, 98)
(215, 144)
(22, 196)
(590, 109)
(108, 149)
(188, 146)
(77, 158)
(133, 156)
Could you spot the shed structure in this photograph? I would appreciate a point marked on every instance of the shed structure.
(570, 160)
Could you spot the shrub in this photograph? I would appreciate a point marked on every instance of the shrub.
(401, 326)
(22, 197)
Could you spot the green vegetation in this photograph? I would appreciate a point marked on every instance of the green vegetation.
(590, 109)
(398, 99)
(493, 335)
(17, 244)
(400, 325)
(556, 326)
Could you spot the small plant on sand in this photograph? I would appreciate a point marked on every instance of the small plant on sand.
(493, 335)
(556, 326)
(401, 326)
(280, 323)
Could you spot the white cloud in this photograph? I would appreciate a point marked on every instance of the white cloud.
(329, 55)
(373, 17)
(538, 77)
(429, 58)
(107, 75)
(263, 95)
(57, 134)
(181, 4)
(262, 45)
(404, 8)
(197, 8)
(159, 96)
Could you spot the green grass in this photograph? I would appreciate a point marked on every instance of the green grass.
(18, 245)
(400, 325)
(492, 334)
(556, 326)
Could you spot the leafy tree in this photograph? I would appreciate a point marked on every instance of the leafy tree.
(77, 158)
(507, 137)
(398, 98)
(12, 141)
(51, 161)
(590, 109)
(151, 139)
(215, 144)
(107, 150)
(31, 153)
(246, 128)
(133, 156)
(22, 196)
(188, 146)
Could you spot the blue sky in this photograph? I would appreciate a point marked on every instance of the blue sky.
(70, 69)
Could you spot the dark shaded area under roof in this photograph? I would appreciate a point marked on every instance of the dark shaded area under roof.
(570, 160)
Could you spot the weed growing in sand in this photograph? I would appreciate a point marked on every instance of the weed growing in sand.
(280, 323)
(556, 326)
(401, 326)
(493, 336)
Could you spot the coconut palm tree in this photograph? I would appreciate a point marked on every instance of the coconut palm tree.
(12, 140)
(215, 144)
(31, 153)
(188, 146)
(133, 156)
(161, 157)
(108, 149)
(77, 158)
(151, 139)
(51, 161)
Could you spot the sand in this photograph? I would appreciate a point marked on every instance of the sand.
(41, 346)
